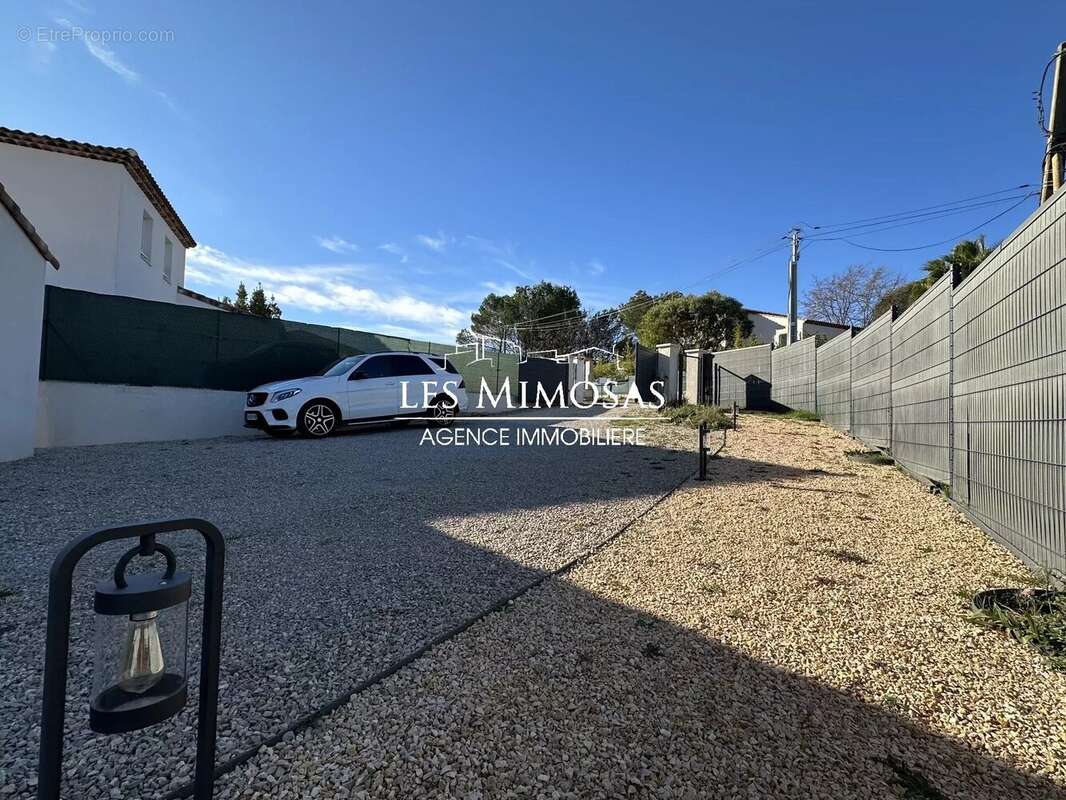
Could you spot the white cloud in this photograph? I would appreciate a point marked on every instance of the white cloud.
(394, 249)
(499, 288)
(515, 269)
(110, 60)
(335, 244)
(439, 243)
(320, 288)
(84, 9)
(596, 267)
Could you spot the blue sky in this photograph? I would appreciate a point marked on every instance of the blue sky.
(384, 165)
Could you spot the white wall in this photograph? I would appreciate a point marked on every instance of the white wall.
(22, 275)
(96, 413)
(89, 212)
(770, 328)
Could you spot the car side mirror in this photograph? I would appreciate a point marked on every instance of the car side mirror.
(358, 375)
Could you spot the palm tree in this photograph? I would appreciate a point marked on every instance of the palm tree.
(966, 256)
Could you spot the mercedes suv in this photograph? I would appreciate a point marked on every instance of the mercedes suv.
(374, 388)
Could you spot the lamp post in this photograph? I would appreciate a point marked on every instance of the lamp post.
(139, 675)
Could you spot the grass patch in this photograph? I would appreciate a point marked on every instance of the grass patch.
(802, 415)
(1042, 628)
(692, 416)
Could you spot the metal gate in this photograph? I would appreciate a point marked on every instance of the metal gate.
(646, 369)
(544, 378)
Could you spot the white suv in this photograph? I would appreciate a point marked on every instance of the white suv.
(379, 387)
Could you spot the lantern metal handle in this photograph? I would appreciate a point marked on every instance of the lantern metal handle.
(139, 550)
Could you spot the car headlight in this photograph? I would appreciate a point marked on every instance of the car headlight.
(284, 394)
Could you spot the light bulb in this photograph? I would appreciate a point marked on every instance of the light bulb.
(142, 656)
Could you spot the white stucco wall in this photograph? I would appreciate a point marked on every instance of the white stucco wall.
(22, 276)
(770, 328)
(90, 212)
(72, 414)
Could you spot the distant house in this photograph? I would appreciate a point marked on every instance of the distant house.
(103, 215)
(769, 327)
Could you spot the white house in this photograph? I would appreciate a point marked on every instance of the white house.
(23, 272)
(768, 327)
(103, 214)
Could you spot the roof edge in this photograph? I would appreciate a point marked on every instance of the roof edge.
(125, 156)
(27, 227)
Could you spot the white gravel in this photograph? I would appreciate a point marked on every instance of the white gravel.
(344, 556)
(791, 629)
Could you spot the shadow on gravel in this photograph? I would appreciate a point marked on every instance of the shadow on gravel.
(572, 693)
(345, 555)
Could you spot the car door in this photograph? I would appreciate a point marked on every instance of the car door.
(412, 374)
(372, 390)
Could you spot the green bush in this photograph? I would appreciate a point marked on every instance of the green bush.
(607, 369)
(802, 415)
(693, 415)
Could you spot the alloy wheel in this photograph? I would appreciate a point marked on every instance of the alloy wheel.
(319, 420)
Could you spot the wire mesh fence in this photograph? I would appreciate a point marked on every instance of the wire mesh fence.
(833, 390)
(921, 384)
(871, 383)
(740, 376)
(795, 370)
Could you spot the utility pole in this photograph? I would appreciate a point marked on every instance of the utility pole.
(793, 287)
(1055, 155)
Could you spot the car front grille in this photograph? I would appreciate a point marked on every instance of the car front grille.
(256, 399)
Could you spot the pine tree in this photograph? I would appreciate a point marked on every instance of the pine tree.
(240, 304)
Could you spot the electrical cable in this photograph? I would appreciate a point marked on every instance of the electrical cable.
(933, 244)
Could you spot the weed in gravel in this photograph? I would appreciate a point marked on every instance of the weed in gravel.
(791, 542)
(914, 784)
(652, 650)
(926, 548)
(641, 622)
(692, 416)
(713, 589)
(736, 614)
(848, 556)
(1044, 629)
(5, 592)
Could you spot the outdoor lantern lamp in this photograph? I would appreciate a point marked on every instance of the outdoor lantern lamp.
(139, 677)
(141, 621)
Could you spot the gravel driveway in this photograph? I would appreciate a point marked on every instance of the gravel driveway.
(791, 629)
(344, 556)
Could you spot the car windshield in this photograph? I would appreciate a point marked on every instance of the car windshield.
(341, 367)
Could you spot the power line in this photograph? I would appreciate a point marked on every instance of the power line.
(934, 244)
(930, 217)
(559, 324)
(893, 216)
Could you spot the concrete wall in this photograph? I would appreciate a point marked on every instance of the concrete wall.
(22, 276)
(871, 383)
(921, 384)
(89, 212)
(690, 392)
(97, 413)
(669, 371)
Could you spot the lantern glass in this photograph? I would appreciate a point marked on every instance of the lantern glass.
(140, 670)
(135, 652)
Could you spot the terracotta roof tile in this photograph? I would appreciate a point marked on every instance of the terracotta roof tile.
(125, 156)
(27, 227)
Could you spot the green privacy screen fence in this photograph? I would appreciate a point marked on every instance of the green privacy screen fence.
(94, 338)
